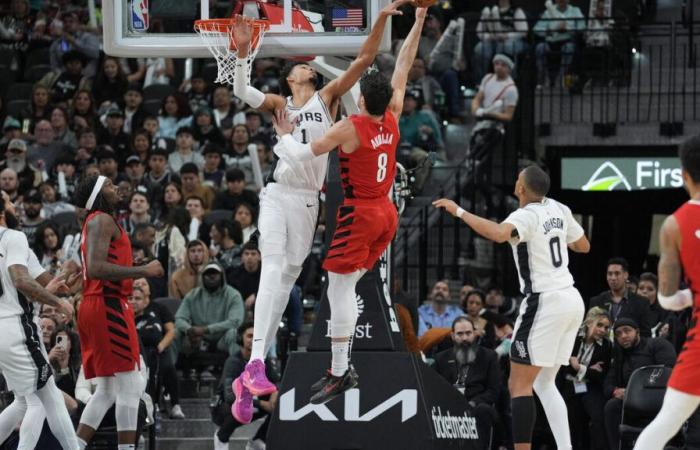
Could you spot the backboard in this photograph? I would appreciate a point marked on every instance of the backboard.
(164, 28)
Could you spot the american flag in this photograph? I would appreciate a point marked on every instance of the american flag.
(346, 17)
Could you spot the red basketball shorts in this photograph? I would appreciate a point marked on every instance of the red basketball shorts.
(686, 373)
(109, 342)
(364, 229)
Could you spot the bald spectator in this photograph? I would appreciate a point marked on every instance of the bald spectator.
(10, 183)
(68, 36)
(45, 150)
(437, 312)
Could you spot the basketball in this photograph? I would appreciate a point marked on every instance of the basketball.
(424, 3)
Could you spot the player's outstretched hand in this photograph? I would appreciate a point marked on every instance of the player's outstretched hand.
(281, 122)
(392, 9)
(65, 308)
(242, 31)
(58, 285)
(153, 270)
(447, 205)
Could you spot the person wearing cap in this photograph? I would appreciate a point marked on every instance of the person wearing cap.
(209, 315)
(107, 162)
(559, 25)
(73, 39)
(187, 278)
(204, 130)
(631, 351)
(67, 82)
(134, 171)
(501, 29)
(133, 112)
(16, 159)
(113, 133)
(212, 173)
(235, 193)
(11, 129)
(184, 151)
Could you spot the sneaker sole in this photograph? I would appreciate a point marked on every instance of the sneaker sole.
(238, 391)
(337, 394)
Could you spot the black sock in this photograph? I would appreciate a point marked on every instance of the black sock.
(524, 414)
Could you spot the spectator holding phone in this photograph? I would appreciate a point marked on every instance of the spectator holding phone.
(64, 357)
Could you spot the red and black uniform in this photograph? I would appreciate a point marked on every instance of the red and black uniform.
(366, 221)
(685, 376)
(109, 342)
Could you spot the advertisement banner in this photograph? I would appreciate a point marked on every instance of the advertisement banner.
(400, 403)
(620, 174)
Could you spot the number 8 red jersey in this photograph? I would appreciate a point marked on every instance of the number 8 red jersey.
(369, 171)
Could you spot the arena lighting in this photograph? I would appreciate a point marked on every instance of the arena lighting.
(634, 51)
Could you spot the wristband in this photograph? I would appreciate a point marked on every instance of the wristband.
(459, 212)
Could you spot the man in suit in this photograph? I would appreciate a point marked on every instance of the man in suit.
(619, 302)
(473, 370)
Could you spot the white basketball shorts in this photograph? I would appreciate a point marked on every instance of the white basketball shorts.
(287, 222)
(546, 328)
(23, 360)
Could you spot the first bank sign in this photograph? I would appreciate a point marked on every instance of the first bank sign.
(620, 174)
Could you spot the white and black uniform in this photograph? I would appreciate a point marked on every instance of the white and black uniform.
(289, 203)
(23, 360)
(553, 309)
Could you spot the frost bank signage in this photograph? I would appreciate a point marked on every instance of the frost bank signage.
(620, 174)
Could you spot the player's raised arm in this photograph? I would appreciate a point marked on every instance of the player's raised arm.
(339, 86)
(404, 62)
(100, 232)
(243, 33)
(670, 269)
(342, 132)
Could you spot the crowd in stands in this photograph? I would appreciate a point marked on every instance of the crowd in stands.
(184, 154)
(468, 340)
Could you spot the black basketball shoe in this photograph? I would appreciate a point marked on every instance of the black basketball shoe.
(334, 386)
(317, 386)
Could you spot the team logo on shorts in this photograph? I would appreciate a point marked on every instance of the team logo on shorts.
(521, 349)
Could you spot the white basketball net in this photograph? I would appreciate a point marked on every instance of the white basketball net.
(217, 35)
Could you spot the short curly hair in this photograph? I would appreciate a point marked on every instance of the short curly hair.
(377, 91)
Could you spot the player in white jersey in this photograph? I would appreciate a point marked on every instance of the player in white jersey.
(290, 201)
(540, 232)
(23, 359)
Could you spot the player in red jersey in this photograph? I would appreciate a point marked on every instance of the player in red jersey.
(108, 341)
(680, 251)
(367, 219)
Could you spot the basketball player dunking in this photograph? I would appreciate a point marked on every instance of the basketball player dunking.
(680, 251)
(550, 316)
(289, 203)
(108, 340)
(367, 219)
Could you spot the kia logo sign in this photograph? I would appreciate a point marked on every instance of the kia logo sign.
(407, 398)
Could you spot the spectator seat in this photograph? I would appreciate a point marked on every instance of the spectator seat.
(456, 138)
(37, 65)
(170, 303)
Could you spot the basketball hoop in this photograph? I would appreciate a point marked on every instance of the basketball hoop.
(217, 34)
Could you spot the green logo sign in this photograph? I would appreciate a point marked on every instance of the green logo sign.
(620, 174)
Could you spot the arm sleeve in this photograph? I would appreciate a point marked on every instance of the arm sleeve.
(524, 221)
(16, 249)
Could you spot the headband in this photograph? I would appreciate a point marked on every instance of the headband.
(95, 190)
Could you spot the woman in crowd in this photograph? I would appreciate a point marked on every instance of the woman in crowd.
(64, 357)
(170, 240)
(156, 328)
(59, 123)
(83, 114)
(141, 144)
(39, 109)
(583, 381)
(648, 288)
(110, 82)
(48, 246)
(226, 240)
(51, 200)
(172, 198)
(473, 306)
(174, 114)
(245, 216)
(204, 129)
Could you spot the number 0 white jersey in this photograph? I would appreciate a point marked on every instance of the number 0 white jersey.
(541, 252)
(14, 250)
(311, 122)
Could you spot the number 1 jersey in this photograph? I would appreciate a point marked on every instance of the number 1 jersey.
(540, 249)
(369, 171)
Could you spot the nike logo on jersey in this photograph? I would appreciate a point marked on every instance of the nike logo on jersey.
(309, 206)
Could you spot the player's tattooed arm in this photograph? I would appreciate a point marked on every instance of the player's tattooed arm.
(31, 289)
(100, 232)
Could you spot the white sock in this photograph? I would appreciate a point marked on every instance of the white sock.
(554, 406)
(81, 444)
(677, 408)
(339, 358)
(126, 446)
(264, 304)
